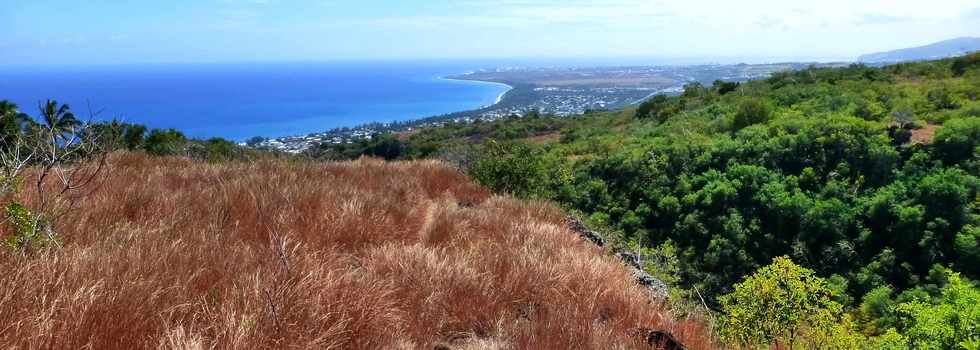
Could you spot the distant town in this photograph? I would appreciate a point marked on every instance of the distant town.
(561, 91)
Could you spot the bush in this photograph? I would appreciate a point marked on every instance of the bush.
(951, 322)
(27, 231)
(214, 149)
(750, 112)
(958, 140)
(513, 168)
(942, 99)
(962, 64)
(660, 108)
(386, 146)
(725, 87)
(784, 304)
(165, 142)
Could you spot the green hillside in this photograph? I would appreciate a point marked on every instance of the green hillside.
(869, 177)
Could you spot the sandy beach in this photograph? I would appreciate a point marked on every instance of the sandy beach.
(499, 97)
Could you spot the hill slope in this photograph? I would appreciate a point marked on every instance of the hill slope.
(868, 176)
(942, 49)
(173, 253)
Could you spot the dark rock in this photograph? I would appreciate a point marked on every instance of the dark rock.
(661, 340)
(584, 232)
(630, 259)
(657, 287)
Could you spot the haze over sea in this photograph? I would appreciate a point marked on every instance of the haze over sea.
(237, 101)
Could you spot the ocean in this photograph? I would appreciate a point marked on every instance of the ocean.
(238, 101)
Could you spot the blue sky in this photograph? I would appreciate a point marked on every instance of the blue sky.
(134, 31)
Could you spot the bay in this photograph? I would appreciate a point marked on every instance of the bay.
(237, 101)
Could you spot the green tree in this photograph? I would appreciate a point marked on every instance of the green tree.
(967, 245)
(785, 305)
(724, 87)
(659, 107)
(213, 150)
(58, 120)
(133, 136)
(750, 112)
(958, 140)
(13, 123)
(165, 142)
(941, 98)
(951, 322)
(115, 135)
(962, 64)
(386, 146)
(513, 168)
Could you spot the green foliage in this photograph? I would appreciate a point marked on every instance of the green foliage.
(513, 168)
(436, 141)
(967, 247)
(26, 231)
(822, 177)
(962, 64)
(942, 99)
(959, 140)
(891, 340)
(659, 107)
(58, 120)
(950, 322)
(115, 135)
(662, 263)
(724, 87)
(876, 312)
(750, 112)
(817, 165)
(785, 304)
(13, 124)
(165, 142)
(214, 150)
(385, 146)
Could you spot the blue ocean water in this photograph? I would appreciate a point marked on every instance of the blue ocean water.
(237, 101)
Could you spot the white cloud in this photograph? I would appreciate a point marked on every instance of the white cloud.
(835, 27)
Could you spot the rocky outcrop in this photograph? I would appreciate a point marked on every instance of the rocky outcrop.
(583, 231)
(658, 289)
(661, 340)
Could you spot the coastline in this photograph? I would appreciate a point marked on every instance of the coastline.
(299, 142)
(500, 97)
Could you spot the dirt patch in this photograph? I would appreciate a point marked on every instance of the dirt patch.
(924, 135)
(544, 138)
(405, 135)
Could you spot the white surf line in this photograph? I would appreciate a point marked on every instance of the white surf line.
(499, 97)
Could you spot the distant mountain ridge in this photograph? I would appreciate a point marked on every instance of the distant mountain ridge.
(942, 49)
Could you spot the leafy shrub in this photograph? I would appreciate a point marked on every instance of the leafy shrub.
(962, 64)
(165, 142)
(951, 322)
(724, 87)
(27, 231)
(958, 140)
(784, 304)
(386, 146)
(513, 168)
(942, 99)
(660, 108)
(214, 149)
(750, 112)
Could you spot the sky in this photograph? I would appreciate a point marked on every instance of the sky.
(146, 31)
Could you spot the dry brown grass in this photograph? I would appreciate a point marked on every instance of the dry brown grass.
(178, 254)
